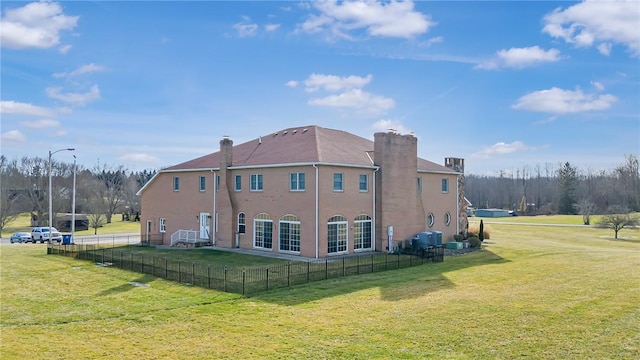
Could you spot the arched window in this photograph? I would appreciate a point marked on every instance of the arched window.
(242, 223)
(262, 231)
(289, 233)
(447, 218)
(337, 234)
(362, 232)
(430, 219)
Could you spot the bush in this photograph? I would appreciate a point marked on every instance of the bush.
(458, 237)
(474, 242)
(474, 228)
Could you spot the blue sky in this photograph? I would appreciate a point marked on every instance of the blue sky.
(151, 84)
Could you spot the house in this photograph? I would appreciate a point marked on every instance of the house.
(309, 191)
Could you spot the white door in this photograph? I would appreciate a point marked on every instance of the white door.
(205, 225)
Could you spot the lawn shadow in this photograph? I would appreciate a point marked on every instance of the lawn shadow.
(142, 281)
(393, 285)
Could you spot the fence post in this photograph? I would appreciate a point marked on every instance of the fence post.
(179, 271)
(209, 276)
(288, 273)
(308, 269)
(225, 278)
(344, 270)
(166, 268)
(267, 279)
(385, 261)
(372, 264)
(398, 260)
(243, 280)
(358, 264)
(102, 256)
(193, 273)
(142, 262)
(326, 268)
(131, 257)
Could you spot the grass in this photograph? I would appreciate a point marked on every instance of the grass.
(536, 292)
(117, 226)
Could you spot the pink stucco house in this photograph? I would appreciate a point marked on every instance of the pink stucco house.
(307, 190)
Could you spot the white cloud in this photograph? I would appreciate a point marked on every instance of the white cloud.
(292, 83)
(358, 99)
(597, 22)
(246, 28)
(335, 83)
(18, 108)
(271, 27)
(385, 125)
(434, 40)
(143, 158)
(598, 85)
(60, 133)
(35, 25)
(501, 148)
(13, 136)
(77, 99)
(41, 124)
(64, 49)
(381, 19)
(84, 69)
(520, 58)
(559, 101)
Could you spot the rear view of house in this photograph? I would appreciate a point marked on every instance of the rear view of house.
(309, 191)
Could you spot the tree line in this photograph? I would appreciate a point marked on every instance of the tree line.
(103, 191)
(100, 192)
(559, 189)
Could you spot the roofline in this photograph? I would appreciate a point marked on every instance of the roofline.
(440, 172)
(239, 167)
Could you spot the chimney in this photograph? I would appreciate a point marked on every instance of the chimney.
(226, 150)
(457, 165)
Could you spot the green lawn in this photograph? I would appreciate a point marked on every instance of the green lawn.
(117, 226)
(534, 292)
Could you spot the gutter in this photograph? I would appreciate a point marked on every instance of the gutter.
(317, 177)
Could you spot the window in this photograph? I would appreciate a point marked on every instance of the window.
(296, 181)
(217, 182)
(163, 225)
(256, 182)
(362, 233)
(176, 183)
(430, 219)
(241, 223)
(337, 234)
(238, 183)
(337, 182)
(445, 185)
(447, 218)
(419, 185)
(364, 182)
(262, 231)
(290, 233)
(203, 183)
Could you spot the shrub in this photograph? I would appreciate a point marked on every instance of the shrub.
(458, 237)
(474, 242)
(474, 228)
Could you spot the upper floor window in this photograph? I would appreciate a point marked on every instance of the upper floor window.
(176, 183)
(296, 181)
(337, 182)
(364, 182)
(445, 185)
(163, 225)
(419, 185)
(256, 182)
(447, 218)
(203, 183)
(217, 182)
(238, 183)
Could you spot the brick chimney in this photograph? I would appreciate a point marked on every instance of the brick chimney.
(225, 236)
(396, 187)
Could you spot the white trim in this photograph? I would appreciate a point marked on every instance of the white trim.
(317, 219)
(439, 172)
(214, 219)
(373, 205)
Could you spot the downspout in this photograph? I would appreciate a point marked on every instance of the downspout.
(373, 227)
(316, 167)
(213, 216)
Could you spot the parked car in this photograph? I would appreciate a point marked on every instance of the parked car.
(42, 234)
(21, 237)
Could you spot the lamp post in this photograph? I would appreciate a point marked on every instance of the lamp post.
(73, 202)
(50, 202)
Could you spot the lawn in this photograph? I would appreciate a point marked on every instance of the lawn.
(535, 292)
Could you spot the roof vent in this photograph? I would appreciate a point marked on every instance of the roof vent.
(275, 134)
(284, 133)
(304, 131)
(295, 131)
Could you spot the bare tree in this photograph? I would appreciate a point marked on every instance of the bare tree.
(8, 196)
(112, 188)
(618, 220)
(586, 208)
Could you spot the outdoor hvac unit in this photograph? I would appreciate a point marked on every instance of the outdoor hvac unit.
(422, 240)
(437, 238)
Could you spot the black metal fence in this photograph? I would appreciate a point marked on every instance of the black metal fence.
(246, 280)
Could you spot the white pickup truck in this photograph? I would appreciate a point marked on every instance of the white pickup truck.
(41, 234)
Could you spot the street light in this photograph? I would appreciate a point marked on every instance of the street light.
(50, 202)
(73, 202)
